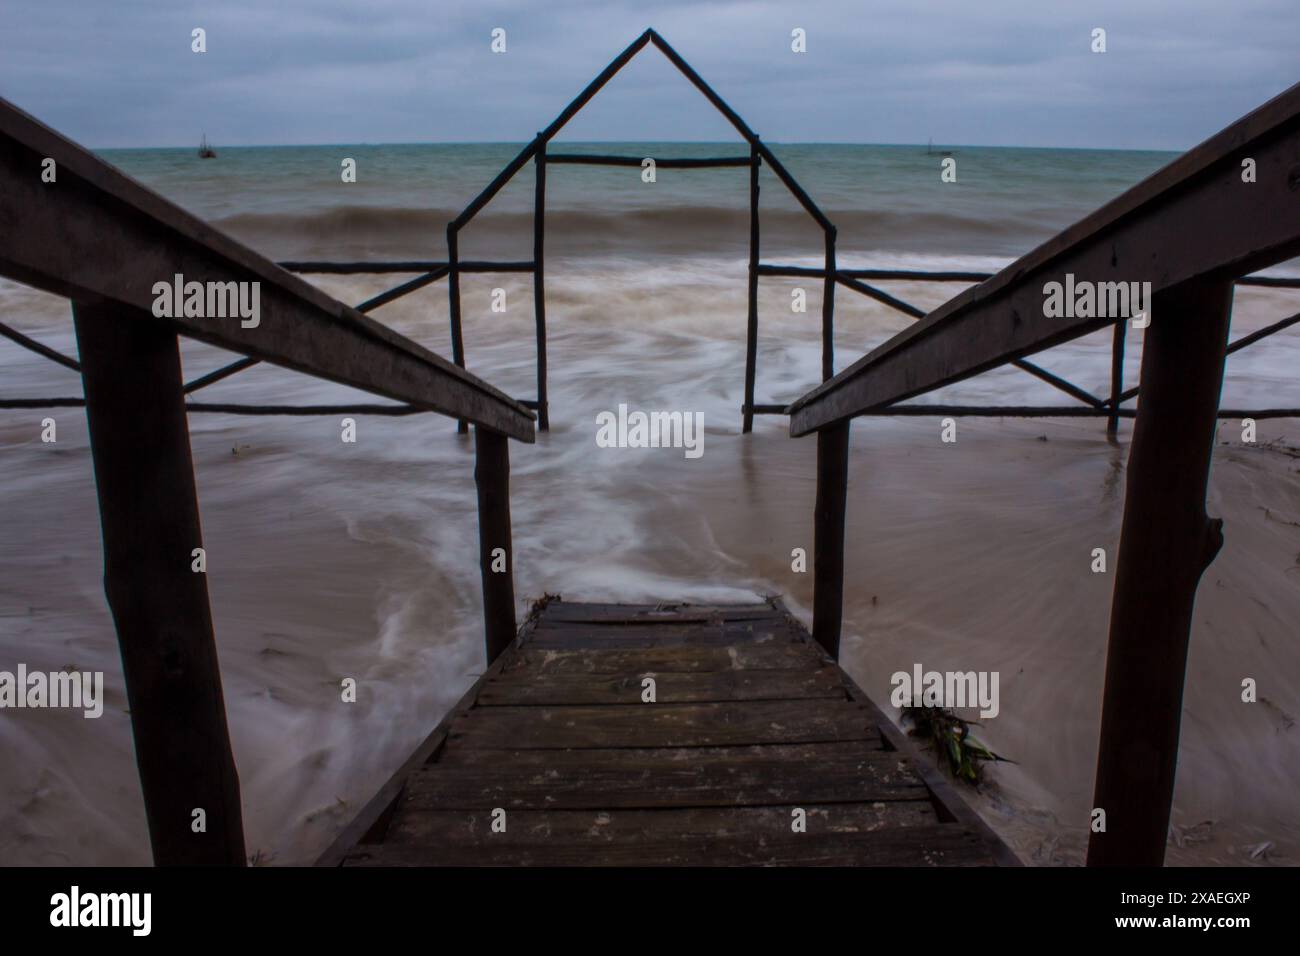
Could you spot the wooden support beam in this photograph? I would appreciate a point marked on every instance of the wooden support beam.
(149, 514)
(1166, 543)
(592, 159)
(453, 304)
(539, 286)
(43, 350)
(1116, 376)
(496, 555)
(828, 310)
(751, 331)
(828, 536)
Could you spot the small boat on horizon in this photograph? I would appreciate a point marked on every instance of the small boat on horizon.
(205, 149)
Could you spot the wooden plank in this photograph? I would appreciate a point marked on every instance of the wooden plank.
(597, 828)
(939, 845)
(662, 635)
(566, 611)
(688, 659)
(527, 688)
(651, 758)
(99, 236)
(662, 725)
(1195, 217)
(466, 778)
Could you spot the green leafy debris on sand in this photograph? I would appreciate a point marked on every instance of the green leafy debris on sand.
(949, 736)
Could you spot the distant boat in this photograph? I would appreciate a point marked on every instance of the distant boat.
(931, 151)
(205, 149)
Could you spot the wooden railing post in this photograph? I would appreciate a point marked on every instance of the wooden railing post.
(751, 334)
(1116, 376)
(539, 285)
(828, 309)
(149, 516)
(453, 301)
(496, 555)
(828, 535)
(1166, 543)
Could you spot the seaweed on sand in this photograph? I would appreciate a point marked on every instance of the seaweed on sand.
(951, 739)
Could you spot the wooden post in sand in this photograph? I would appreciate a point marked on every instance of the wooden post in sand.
(828, 535)
(1116, 376)
(149, 514)
(453, 302)
(496, 555)
(539, 285)
(1166, 543)
(828, 309)
(751, 334)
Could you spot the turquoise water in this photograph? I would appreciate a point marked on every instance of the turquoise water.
(291, 200)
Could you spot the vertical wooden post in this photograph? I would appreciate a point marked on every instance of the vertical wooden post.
(828, 535)
(1116, 376)
(539, 286)
(492, 477)
(828, 309)
(453, 297)
(751, 335)
(1166, 542)
(149, 516)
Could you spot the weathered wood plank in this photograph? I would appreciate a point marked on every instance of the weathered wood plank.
(939, 845)
(565, 611)
(598, 828)
(652, 758)
(469, 779)
(663, 725)
(631, 636)
(665, 660)
(527, 688)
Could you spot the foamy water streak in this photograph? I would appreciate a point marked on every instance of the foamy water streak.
(329, 560)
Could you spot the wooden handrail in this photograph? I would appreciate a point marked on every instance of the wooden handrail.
(1168, 229)
(96, 235)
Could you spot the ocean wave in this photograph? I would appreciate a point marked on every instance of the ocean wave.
(407, 232)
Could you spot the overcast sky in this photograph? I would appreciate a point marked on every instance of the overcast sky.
(993, 72)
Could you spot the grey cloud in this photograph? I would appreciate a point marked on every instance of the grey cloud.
(1002, 72)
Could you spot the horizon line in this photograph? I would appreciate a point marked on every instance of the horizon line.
(683, 142)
